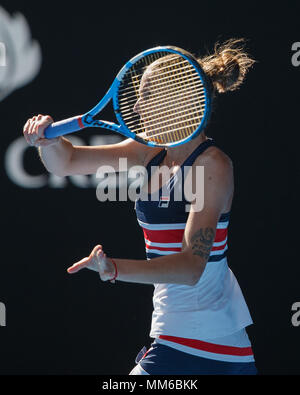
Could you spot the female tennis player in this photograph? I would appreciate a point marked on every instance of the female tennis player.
(200, 315)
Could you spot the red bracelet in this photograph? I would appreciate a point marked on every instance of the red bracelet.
(116, 271)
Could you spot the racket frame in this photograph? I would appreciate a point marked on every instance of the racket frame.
(73, 124)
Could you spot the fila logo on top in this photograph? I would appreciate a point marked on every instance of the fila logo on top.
(164, 202)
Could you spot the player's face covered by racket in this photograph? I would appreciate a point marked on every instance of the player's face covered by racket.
(159, 105)
(173, 102)
(148, 106)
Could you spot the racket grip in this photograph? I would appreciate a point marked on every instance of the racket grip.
(66, 126)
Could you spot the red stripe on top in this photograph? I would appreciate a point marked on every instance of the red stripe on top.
(163, 248)
(209, 347)
(221, 247)
(164, 236)
(176, 235)
(221, 234)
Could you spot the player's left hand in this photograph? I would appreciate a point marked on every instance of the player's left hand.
(96, 261)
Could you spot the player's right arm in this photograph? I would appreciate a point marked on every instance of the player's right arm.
(60, 157)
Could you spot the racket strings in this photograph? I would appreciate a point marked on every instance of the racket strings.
(175, 89)
(171, 116)
(134, 76)
(129, 85)
(175, 106)
(176, 126)
(146, 136)
(194, 103)
(169, 120)
(168, 126)
(166, 110)
(172, 99)
(176, 121)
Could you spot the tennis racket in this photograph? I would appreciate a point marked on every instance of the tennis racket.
(161, 97)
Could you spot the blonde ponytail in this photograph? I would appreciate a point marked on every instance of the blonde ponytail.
(228, 65)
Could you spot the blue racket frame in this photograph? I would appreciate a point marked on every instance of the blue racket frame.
(74, 124)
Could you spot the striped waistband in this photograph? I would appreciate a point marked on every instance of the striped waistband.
(209, 350)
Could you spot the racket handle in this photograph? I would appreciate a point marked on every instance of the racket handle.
(66, 126)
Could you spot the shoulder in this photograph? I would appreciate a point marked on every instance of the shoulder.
(215, 161)
(218, 173)
(216, 181)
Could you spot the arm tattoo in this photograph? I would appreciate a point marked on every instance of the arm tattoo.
(202, 242)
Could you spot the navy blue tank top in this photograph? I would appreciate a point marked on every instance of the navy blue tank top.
(163, 220)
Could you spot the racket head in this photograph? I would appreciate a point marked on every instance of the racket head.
(162, 97)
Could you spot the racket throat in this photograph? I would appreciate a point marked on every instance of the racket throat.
(88, 121)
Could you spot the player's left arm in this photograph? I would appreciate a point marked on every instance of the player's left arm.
(201, 225)
(187, 266)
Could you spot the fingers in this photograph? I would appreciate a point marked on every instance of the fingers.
(96, 249)
(40, 125)
(78, 265)
(98, 262)
(91, 262)
(34, 130)
(26, 130)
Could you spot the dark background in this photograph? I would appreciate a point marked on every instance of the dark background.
(62, 324)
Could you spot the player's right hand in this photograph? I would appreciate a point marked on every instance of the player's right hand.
(34, 131)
